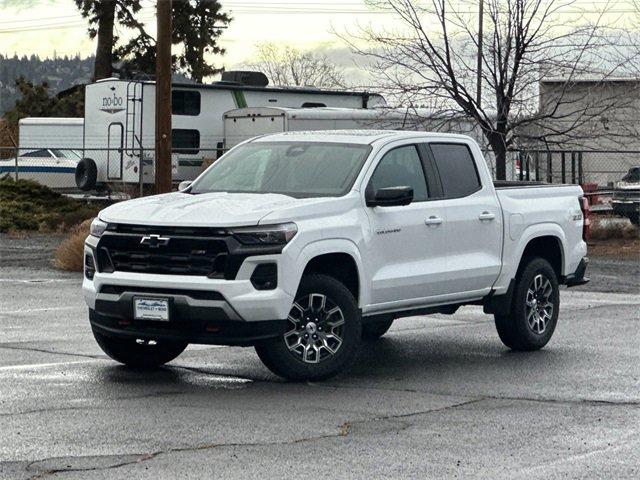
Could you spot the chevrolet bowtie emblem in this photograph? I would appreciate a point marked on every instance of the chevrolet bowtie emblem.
(155, 241)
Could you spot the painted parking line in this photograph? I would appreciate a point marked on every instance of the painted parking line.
(44, 309)
(35, 366)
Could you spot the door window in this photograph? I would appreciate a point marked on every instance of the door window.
(457, 169)
(401, 167)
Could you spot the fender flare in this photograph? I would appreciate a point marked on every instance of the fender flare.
(328, 246)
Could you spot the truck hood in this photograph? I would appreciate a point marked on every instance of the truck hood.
(217, 209)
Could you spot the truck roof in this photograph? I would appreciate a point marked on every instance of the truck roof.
(364, 137)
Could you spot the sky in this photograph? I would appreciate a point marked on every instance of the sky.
(54, 27)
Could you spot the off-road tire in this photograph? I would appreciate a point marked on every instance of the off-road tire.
(136, 355)
(277, 354)
(515, 329)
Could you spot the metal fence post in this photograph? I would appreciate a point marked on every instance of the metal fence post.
(16, 162)
(573, 167)
(564, 169)
(537, 160)
(549, 171)
(580, 176)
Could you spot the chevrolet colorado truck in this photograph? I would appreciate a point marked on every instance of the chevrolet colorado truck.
(306, 244)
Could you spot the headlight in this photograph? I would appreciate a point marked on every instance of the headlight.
(97, 227)
(265, 235)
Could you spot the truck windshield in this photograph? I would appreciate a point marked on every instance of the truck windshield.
(297, 169)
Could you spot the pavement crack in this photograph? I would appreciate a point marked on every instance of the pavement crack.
(134, 459)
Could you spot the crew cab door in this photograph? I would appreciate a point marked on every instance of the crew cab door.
(474, 230)
(406, 257)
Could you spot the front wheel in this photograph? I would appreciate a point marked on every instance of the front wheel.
(534, 308)
(137, 353)
(323, 333)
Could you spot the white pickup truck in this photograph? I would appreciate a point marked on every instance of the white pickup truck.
(305, 244)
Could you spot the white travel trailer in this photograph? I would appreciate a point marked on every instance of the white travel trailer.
(36, 133)
(119, 131)
(243, 123)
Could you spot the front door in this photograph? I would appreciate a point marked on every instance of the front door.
(407, 242)
(114, 151)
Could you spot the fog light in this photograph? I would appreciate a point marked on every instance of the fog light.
(89, 266)
(265, 276)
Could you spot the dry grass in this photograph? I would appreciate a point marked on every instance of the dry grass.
(613, 228)
(70, 254)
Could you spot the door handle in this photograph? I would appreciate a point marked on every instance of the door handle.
(486, 216)
(433, 220)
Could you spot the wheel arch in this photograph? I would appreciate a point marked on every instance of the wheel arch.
(549, 247)
(339, 259)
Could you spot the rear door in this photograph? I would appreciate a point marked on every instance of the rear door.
(407, 258)
(474, 219)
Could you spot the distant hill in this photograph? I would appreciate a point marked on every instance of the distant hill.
(59, 72)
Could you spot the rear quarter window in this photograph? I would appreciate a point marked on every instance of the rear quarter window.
(457, 169)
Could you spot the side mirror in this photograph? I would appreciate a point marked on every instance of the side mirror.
(389, 196)
(182, 186)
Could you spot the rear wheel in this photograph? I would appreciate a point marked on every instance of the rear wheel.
(534, 308)
(138, 353)
(376, 329)
(322, 336)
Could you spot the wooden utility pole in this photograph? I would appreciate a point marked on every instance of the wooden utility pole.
(479, 68)
(163, 97)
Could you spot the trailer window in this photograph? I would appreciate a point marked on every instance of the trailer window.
(185, 102)
(185, 141)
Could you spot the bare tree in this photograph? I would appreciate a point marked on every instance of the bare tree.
(432, 58)
(288, 66)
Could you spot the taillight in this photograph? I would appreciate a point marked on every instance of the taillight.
(586, 218)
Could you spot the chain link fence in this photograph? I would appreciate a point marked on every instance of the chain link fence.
(126, 173)
(598, 168)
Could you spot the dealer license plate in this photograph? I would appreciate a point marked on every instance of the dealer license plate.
(151, 308)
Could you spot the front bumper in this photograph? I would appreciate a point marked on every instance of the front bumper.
(625, 207)
(212, 329)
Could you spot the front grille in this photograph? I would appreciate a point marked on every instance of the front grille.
(188, 251)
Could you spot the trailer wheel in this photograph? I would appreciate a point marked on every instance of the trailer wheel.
(86, 174)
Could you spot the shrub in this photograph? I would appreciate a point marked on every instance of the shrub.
(70, 254)
(612, 228)
(27, 205)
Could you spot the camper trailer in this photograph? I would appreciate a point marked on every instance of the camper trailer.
(244, 123)
(119, 130)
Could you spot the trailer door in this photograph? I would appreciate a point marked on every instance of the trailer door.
(114, 151)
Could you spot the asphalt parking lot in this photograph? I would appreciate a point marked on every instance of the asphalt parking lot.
(437, 397)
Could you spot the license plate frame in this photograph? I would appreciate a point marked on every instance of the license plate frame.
(155, 309)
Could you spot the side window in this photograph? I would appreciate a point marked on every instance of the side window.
(42, 153)
(185, 141)
(401, 167)
(185, 102)
(457, 169)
